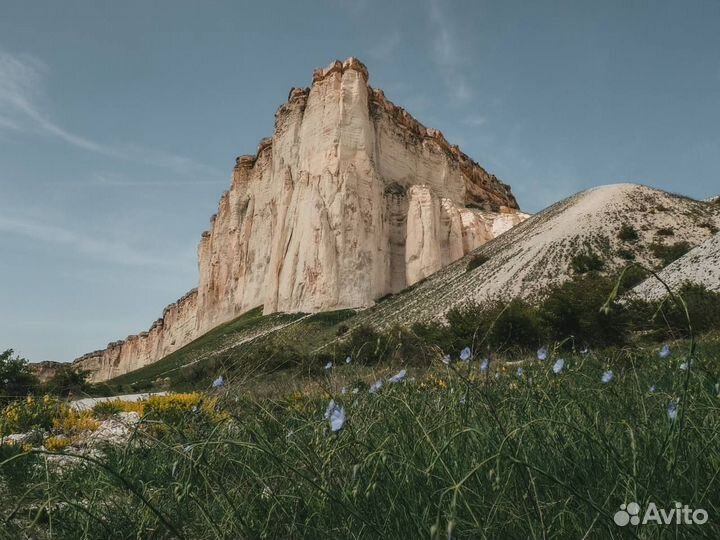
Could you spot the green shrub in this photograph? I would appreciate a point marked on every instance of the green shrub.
(16, 377)
(573, 310)
(476, 261)
(665, 232)
(669, 253)
(626, 254)
(517, 327)
(582, 263)
(628, 233)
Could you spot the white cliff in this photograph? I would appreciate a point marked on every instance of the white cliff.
(351, 199)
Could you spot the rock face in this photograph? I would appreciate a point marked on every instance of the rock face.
(351, 199)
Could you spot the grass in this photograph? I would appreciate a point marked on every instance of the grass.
(453, 453)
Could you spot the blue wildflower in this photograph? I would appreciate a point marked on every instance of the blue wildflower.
(607, 377)
(447, 360)
(672, 410)
(336, 418)
(217, 383)
(559, 365)
(484, 365)
(398, 377)
(465, 354)
(519, 372)
(377, 385)
(542, 353)
(664, 351)
(328, 366)
(348, 360)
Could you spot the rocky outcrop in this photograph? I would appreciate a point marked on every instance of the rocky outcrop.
(351, 199)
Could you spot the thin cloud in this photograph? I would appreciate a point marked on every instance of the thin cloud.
(385, 46)
(22, 83)
(475, 120)
(99, 249)
(446, 54)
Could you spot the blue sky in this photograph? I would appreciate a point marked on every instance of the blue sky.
(120, 122)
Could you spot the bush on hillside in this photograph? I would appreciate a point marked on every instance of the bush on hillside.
(476, 261)
(582, 263)
(628, 233)
(573, 311)
(669, 253)
(16, 377)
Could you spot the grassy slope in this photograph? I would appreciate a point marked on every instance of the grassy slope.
(450, 454)
(198, 362)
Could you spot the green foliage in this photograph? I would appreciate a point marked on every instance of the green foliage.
(669, 253)
(573, 310)
(476, 261)
(667, 319)
(67, 380)
(16, 377)
(588, 261)
(517, 327)
(452, 453)
(628, 233)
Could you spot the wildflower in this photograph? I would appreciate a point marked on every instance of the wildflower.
(398, 377)
(348, 360)
(607, 377)
(355, 390)
(377, 385)
(664, 351)
(266, 493)
(328, 366)
(559, 365)
(672, 410)
(484, 365)
(337, 419)
(685, 365)
(217, 383)
(446, 360)
(652, 389)
(465, 354)
(343, 390)
(519, 372)
(330, 408)
(542, 353)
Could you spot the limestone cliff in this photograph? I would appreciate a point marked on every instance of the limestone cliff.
(351, 199)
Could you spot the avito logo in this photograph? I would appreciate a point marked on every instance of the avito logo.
(629, 514)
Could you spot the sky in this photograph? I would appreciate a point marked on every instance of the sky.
(120, 123)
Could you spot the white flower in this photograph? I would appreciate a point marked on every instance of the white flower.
(217, 383)
(355, 390)
(664, 351)
(328, 366)
(519, 372)
(652, 389)
(398, 377)
(484, 365)
(446, 360)
(672, 410)
(465, 354)
(343, 390)
(330, 408)
(348, 360)
(607, 377)
(559, 365)
(542, 353)
(685, 365)
(337, 419)
(266, 493)
(377, 385)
